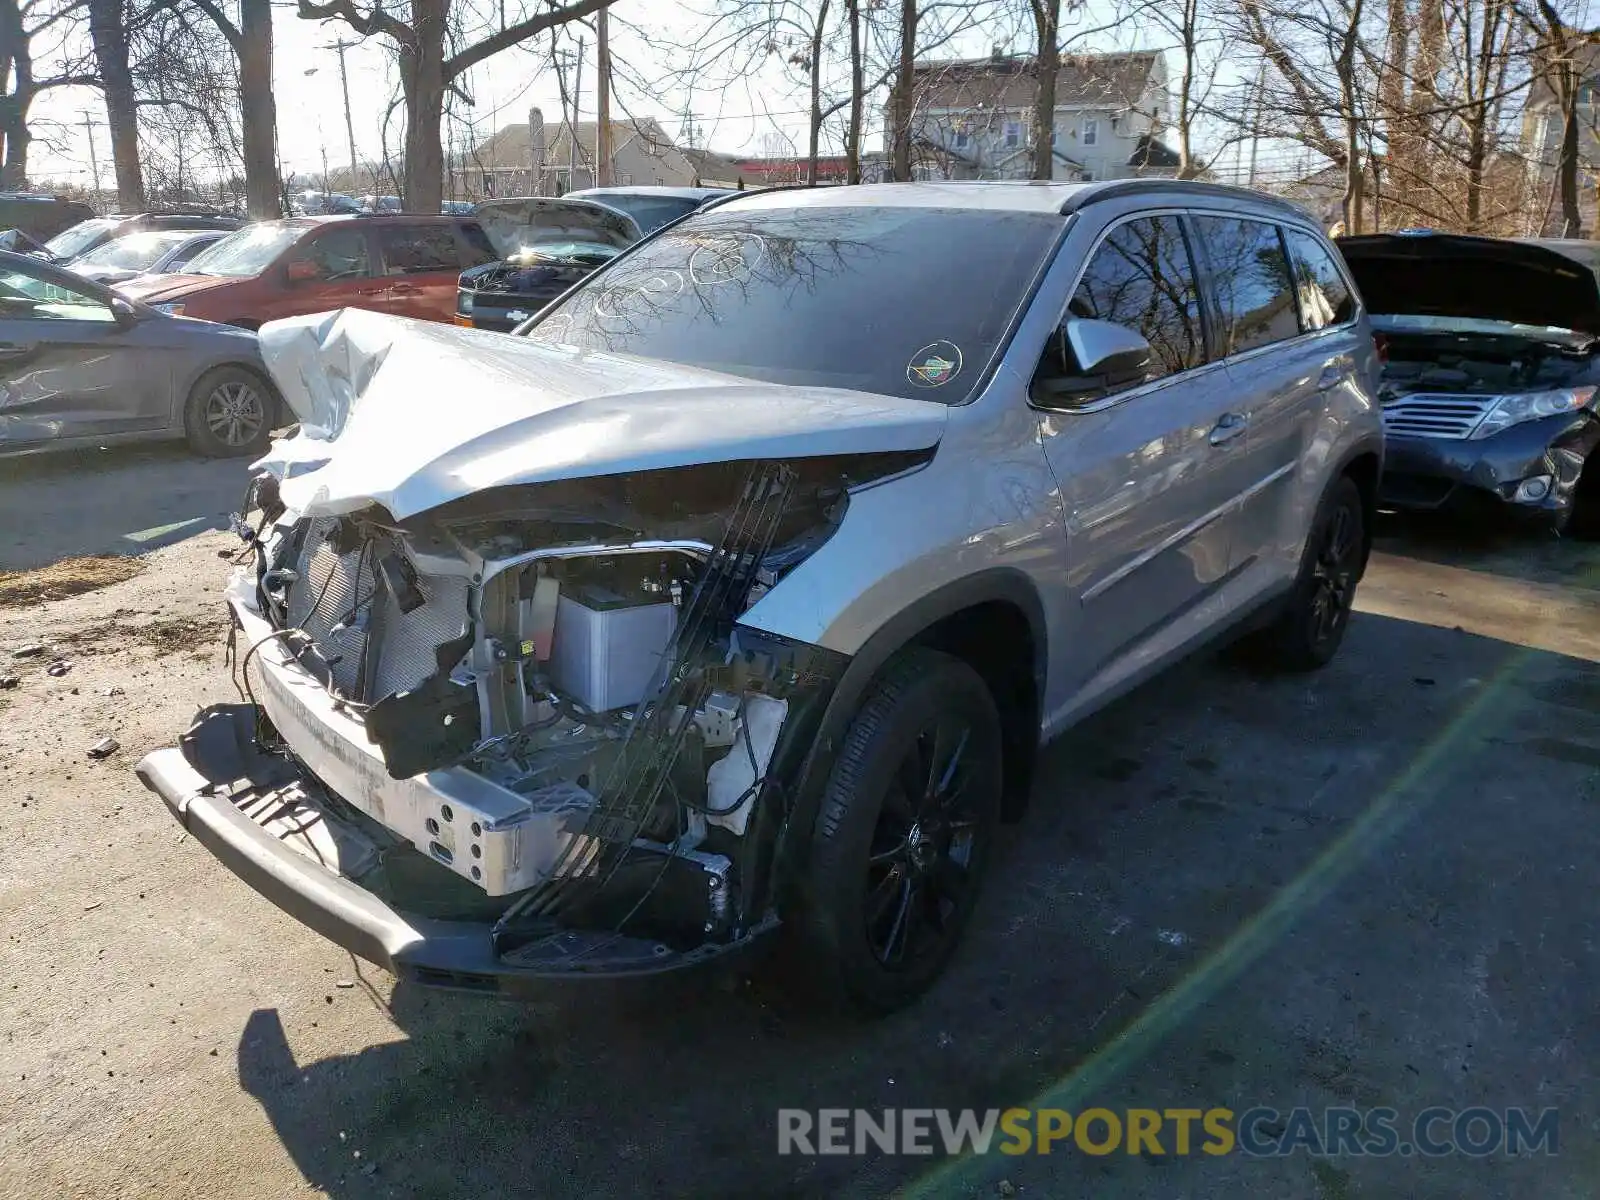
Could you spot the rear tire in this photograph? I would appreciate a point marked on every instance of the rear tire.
(229, 413)
(904, 834)
(1307, 632)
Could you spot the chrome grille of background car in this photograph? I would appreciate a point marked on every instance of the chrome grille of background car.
(1440, 415)
(400, 646)
(324, 596)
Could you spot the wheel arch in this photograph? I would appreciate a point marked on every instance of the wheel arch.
(1363, 464)
(994, 621)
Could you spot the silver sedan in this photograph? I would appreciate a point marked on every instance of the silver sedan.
(81, 365)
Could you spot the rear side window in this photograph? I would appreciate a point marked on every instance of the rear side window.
(1142, 277)
(1251, 283)
(1325, 297)
(417, 249)
(477, 248)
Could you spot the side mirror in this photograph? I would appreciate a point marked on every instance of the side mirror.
(1089, 358)
(125, 313)
(303, 270)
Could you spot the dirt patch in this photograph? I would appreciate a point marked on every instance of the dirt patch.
(69, 577)
(164, 635)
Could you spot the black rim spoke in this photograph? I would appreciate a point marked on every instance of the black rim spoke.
(919, 859)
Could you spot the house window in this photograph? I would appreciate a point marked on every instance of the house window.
(624, 180)
(1013, 134)
(962, 139)
(1091, 131)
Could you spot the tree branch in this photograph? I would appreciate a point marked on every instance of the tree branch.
(366, 24)
(507, 37)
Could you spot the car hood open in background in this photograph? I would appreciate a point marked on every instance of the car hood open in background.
(410, 415)
(517, 225)
(1452, 275)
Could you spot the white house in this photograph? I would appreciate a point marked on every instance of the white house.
(973, 118)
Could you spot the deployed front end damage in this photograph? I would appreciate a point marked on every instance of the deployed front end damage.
(522, 733)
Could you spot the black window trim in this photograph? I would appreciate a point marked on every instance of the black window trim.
(1283, 247)
(1357, 308)
(1112, 399)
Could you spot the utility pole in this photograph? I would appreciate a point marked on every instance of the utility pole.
(1255, 121)
(94, 160)
(340, 47)
(577, 111)
(602, 126)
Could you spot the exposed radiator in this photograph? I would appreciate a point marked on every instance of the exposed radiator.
(382, 650)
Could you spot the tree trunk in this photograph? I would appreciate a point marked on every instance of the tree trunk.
(815, 62)
(904, 98)
(1047, 66)
(852, 145)
(14, 174)
(422, 79)
(1392, 96)
(1190, 32)
(1567, 161)
(1354, 175)
(108, 32)
(260, 113)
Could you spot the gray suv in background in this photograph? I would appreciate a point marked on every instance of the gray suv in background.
(741, 588)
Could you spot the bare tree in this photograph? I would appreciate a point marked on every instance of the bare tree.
(1047, 67)
(31, 32)
(428, 68)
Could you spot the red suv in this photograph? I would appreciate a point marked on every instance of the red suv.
(402, 264)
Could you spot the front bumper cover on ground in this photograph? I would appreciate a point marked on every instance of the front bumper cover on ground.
(1422, 474)
(220, 784)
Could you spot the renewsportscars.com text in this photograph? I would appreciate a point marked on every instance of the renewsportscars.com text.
(1258, 1132)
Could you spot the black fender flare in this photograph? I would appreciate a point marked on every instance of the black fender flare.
(996, 584)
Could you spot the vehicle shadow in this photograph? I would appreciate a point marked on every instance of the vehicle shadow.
(1159, 830)
(1497, 547)
(121, 500)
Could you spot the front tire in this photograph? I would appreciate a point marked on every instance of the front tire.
(1308, 631)
(229, 414)
(905, 831)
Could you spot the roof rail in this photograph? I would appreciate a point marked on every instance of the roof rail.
(1112, 189)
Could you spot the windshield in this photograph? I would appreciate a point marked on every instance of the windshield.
(909, 302)
(650, 212)
(71, 242)
(588, 252)
(136, 252)
(248, 252)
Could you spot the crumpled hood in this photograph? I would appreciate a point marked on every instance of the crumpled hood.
(1452, 275)
(510, 222)
(412, 414)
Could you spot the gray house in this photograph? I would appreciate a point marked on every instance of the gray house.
(641, 153)
(974, 117)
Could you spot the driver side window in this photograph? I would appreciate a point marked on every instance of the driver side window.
(1142, 277)
(339, 254)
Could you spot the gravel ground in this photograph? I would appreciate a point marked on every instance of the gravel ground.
(1373, 886)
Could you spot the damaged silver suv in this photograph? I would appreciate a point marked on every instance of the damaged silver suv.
(738, 590)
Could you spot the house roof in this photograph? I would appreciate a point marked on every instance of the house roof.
(1113, 80)
(511, 148)
(1151, 151)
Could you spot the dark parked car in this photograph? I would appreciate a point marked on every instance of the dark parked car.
(40, 216)
(546, 244)
(86, 235)
(81, 365)
(1489, 390)
(653, 207)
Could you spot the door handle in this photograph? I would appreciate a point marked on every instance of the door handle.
(404, 289)
(1229, 427)
(1332, 376)
(370, 291)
